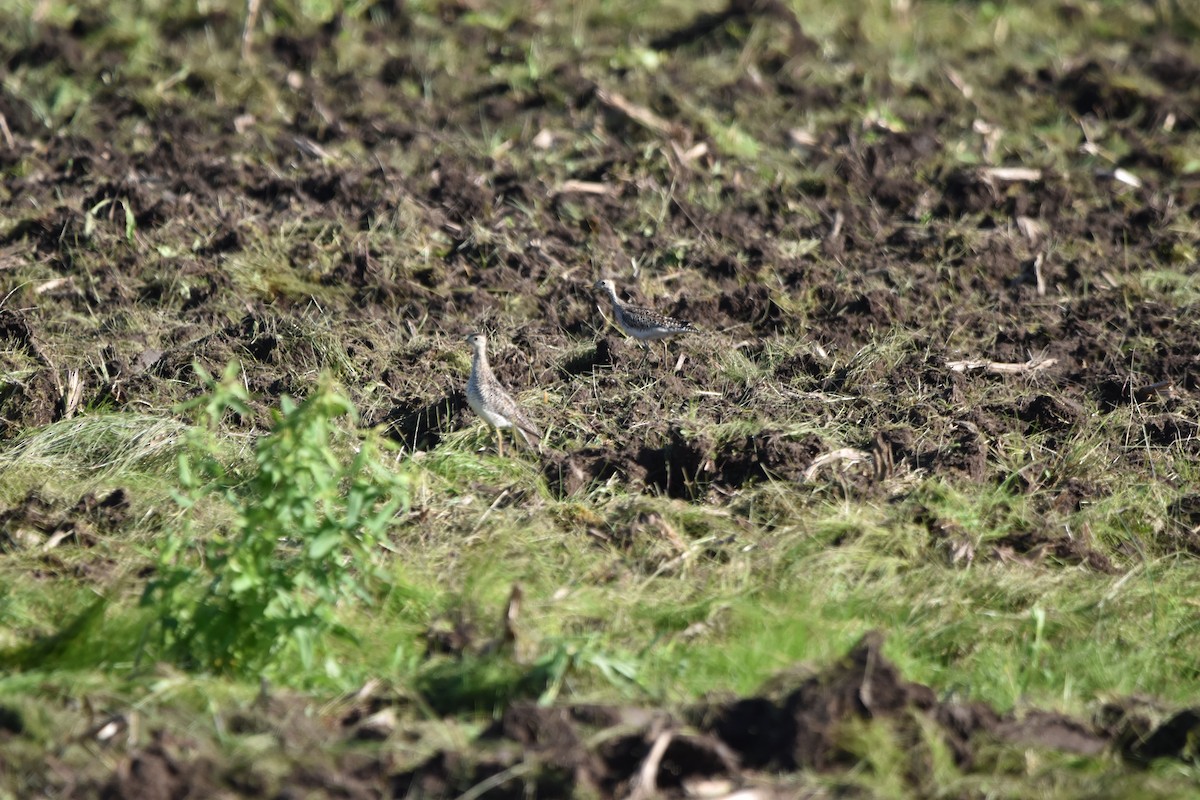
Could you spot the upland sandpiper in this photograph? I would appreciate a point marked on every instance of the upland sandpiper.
(492, 401)
(643, 324)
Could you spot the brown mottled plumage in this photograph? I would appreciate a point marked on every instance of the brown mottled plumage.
(643, 324)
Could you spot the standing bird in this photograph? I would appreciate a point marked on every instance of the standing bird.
(643, 324)
(492, 401)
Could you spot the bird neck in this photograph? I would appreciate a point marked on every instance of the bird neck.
(479, 361)
(612, 295)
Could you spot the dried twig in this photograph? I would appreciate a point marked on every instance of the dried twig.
(1013, 174)
(1033, 270)
(1124, 176)
(839, 219)
(1036, 364)
(585, 187)
(639, 114)
(311, 148)
(71, 394)
(51, 285)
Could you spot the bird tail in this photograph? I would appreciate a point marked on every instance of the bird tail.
(531, 437)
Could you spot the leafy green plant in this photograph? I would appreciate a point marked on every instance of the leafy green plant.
(307, 524)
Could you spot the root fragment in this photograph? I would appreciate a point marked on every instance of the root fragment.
(646, 784)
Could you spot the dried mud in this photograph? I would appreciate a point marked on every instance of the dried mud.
(909, 262)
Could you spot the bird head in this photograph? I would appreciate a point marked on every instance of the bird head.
(478, 342)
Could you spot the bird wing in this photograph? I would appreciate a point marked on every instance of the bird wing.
(507, 407)
(649, 318)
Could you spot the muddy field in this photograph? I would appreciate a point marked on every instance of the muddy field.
(894, 277)
(895, 243)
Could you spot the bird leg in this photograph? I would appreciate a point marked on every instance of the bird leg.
(645, 351)
(499, 442)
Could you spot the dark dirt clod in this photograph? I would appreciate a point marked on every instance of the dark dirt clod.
(568, 473)
(598, 357)
(12, 722)
(1035, 545)
(421, 426)
(163, 770)
(677, 467)
(1050, 413)
(549, 732)
(1047, 729)
(1176, 738)
(767, 454)
(800, 729)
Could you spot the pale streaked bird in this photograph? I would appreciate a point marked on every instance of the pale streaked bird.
(492, 402)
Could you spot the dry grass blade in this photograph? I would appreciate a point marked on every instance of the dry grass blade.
(1032, 229)
(252, 7)
(686, 157)
(71, 394)
(499, 779)
(847, 454)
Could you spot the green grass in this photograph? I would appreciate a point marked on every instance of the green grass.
(636, 619)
